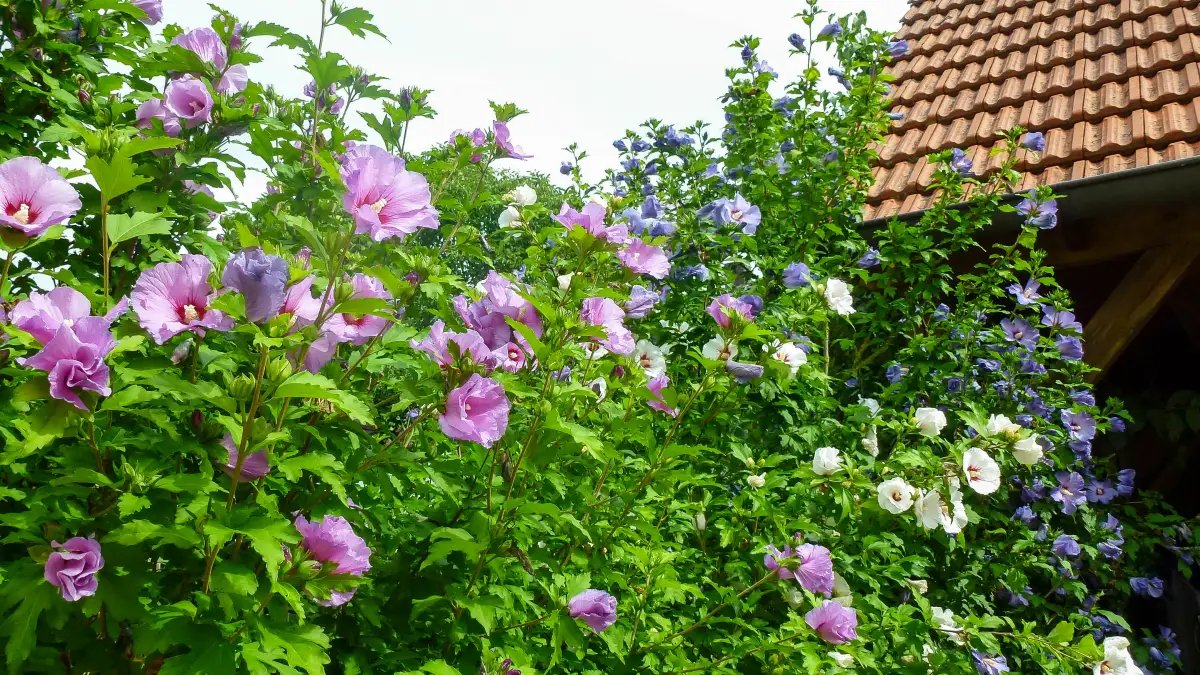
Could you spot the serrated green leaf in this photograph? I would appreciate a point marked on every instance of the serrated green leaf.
(123, 228)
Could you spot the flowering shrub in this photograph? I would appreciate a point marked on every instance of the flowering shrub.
(695, 418)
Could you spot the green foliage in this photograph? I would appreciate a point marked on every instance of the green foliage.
(663, 455)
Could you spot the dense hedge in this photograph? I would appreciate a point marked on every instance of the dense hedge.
(693, 419)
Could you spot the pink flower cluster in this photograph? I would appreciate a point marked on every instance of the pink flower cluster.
(487, 316)
(385, 199)
(187, 101)
(356, 329)
(332, 540)
(74, 343)
(34, 197)
(605, 313)
(637, 256)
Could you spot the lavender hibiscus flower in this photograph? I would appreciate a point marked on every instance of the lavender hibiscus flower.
(73, 566)
(33, 196)
(261, 279)
(156, 109)
(205, 43)
(834, 622)
(477, 411)
(188, 99)
(171, 298)
(385, 199)
(597, 609)
(332, 540)
(256, 465)
(74, 360)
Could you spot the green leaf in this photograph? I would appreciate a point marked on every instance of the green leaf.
(122, 227)
(135, 532)
(326, 69)
(231, 577)
(21, 625)
(362, 306)
(129, 504)
(311, 385)
(191, 483)
(1062, 633)
(114, 179)
(439, 667)
(305, 647)
(539, 348)
(139, 144)
(358, 21)
(447, 540)
(580, 434)
(212, 656)
(323, 465)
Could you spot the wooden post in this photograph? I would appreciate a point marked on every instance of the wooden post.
(1133, 302)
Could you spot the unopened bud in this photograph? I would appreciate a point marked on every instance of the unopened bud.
(343, 292)
(84, 96)
(242, 388)
(279, 370)
(183, 351)
(700, 521)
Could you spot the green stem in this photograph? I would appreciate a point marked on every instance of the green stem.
(710, 615)
(104, 246)
(247, 425)
(4, 275)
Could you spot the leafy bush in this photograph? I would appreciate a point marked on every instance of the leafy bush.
(693, 419)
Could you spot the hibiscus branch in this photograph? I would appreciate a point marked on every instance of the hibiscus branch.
(731, 657)
(7, 264)
(246, 427)
(767, 577)
(470, 205)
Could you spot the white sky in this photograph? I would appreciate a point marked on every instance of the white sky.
(585, 71)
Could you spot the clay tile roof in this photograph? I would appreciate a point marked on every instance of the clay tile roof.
(1113, 84)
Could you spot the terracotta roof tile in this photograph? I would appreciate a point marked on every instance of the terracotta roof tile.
(1057, 111)
(1166, 53)
(1173, 122)
(1109, 99)
(1166, 86)
(1114, 84)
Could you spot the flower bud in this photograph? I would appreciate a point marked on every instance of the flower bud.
(242, 388)
(700, 521)
(343, 292)
(84, 96)
(183, 351)
(279, 370)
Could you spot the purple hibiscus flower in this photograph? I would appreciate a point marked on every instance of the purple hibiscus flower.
(1043, 216)
(1070, 491)
(73, 566)
(476, 411)
(188, 100)
(1027, 294)
(834, 622)
(1020, 331)
(261, 279)
(385, 199)
(332, 540)
(33, 196)
(1079, 425)
(597, 609)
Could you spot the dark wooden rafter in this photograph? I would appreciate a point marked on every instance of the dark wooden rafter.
(1096, 240)
(1184, 303)
(1139, 295)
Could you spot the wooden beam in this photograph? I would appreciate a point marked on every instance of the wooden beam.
(1134, 301)
(1185, 305)
(1118, 234)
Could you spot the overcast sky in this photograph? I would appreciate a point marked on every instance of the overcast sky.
(585, 71)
